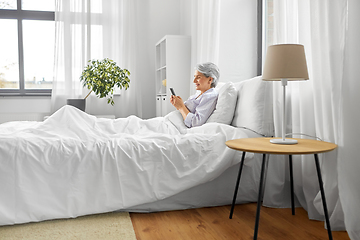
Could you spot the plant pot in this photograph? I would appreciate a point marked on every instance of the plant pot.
(78, 103)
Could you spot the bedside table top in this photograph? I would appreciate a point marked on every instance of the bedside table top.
(263, 145)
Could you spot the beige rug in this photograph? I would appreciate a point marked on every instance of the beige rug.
(100, 226)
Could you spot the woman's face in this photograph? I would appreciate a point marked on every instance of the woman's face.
(202, 83)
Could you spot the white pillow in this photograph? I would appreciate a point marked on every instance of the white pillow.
(225, 106)
(254, 106)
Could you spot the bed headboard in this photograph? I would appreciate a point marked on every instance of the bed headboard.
(246, 104)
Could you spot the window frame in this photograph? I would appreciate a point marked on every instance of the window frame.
(21, 15)
(259, 18)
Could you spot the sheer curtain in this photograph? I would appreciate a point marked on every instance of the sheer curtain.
(91, 29)
(205, 32)
(314, 105)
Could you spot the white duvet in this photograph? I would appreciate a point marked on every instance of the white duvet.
(74, 164)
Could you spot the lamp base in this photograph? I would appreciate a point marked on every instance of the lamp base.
(283, 141)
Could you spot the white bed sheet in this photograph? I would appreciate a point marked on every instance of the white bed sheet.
(75, 164)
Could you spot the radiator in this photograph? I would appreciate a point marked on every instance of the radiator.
(8, 117)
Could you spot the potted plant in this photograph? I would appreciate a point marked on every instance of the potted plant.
(101, 77)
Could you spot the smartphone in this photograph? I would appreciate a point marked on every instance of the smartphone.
(172, 91)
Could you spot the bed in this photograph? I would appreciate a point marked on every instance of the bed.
(75, 164)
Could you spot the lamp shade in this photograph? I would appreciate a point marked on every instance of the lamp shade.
(285, 61)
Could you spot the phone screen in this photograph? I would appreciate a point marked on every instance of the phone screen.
(172, 91)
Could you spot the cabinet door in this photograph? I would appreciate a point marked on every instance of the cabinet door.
(164, 105)
(158, 106)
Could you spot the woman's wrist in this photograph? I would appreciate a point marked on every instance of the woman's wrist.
(184, 111)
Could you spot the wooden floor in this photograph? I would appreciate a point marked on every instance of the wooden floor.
(214, 223)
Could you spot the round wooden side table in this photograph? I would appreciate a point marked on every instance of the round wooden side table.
(264, 146)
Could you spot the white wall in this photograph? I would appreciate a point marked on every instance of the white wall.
(238, 37)
(238, 40)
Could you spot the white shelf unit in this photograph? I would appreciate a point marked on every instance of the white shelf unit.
(173, 64)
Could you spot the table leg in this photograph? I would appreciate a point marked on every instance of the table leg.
(323, 196)
(265, 176)
(259, 197)
(237, 185)
(292, 185)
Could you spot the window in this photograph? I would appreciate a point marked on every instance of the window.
(27, 40)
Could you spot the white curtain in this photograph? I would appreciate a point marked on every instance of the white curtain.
(92, 29)
(313, 106)
(205, 32)
(349, 160)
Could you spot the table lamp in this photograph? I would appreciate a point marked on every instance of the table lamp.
(285, 62)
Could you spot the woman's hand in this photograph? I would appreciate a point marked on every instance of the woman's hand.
(177, 102)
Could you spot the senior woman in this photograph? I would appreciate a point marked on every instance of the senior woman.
(198, 108)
